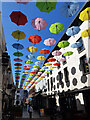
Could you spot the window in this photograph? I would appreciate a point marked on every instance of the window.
(50, 72)
(81, 48)
(47, 75)
(57, 78)
(84, 64)
(54, 79)
(57, 85)
(51, 83)
(60, 75)
(54, 87)
(17, 97)
(66, 74)
(64, 62)
(18, 91)
(48, 85)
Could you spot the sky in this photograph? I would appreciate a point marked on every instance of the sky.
(31, 11)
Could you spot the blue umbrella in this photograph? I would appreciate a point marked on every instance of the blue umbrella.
(17, 71)
(49, 70)
(44, 67)
(38, 63)
(76, 45)
(72, 30)
(69, 9)
(18, 46)
(30, 56)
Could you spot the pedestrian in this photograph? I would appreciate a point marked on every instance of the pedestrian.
(30, 110)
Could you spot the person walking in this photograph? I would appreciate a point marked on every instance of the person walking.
(30, 110)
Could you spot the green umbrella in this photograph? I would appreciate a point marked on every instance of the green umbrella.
(63, 44)
(68, 53)
(28, 61)
(36, 66)
(56, 28)
(24, 76)
(41, 70)
(17, 73)
(17, 54)
(46, 6)
(46, 72)
(30, 78)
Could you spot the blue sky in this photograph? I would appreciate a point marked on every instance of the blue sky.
(31, 11)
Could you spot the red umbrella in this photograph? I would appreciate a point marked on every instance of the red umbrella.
(44, 51)
(18, 17)
(17, 77)
(23, 1)
(32, 72)
(18, 64)
(17, 60)
(42, 76)
(17, 83)
(27, 65)
(51, 59)
(23, 79)
(34, 39)
(56, 64)
(26, 68)
(38, 75)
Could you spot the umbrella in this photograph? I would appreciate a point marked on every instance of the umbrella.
(69, 9)
(39, 23)
(44, 51)
(34, 39)
(30, 56)
(39, 73)
(63, 44)
(17, 46)
(41, 58)
(56, 28)
(38, 63)
(56, 53)
(47, 72)
(42, 76)
(18, 68)
(51, 59)
(18, 54)
(32, 49)
(34, 69)
(48, 64)
(44, 67)
(25, 72)
(52, 67)
(23, 1)
(27, 65)
(17, 76)
(18, 64)
(76, 45)
(62, 60)
(73, 30)
(18, 18)
(42, 70)
(23, 76)
(28, 61)
(49, 42)
(56, 64)
(17, 60)
(17, 71)
(86, 33)
(85, 14)
(46, 6)
(32, 72)
(26, 68)
(36, 66)
(18, 34)
(68, 53)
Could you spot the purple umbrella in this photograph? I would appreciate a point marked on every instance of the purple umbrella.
(56, 53)
(49, 42)
(62, 60)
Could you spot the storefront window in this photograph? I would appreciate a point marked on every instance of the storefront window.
(81, 48)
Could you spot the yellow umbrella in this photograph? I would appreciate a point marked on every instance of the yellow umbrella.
(85, 14)
(52, 67)
(41, 58)
(18, 34)
(32, 49)
(36, 77)
(86, 33)
(18, 68)
(31, 74)
(48, 64)
(25, 71)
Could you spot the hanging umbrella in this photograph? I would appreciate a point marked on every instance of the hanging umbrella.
(23, 1)
(39, 73)
(34, 39)
(49, 42)
(18, 18)
(36, 66)
(17, 60)
(17, 71)
(48, 64)
(41, 58)
(69, 9)
(30, 56)
(86, 33)
(34, 69)
(27, 65)
(56, 53)
(62, 60)
(36, 76)
(28, 61)
(17, 54)
(18, 68)
(38, 63)
(56, 64)
(73, 30)
(52, 67)
(46, 6)
(23, 76)
(42, 70)
(28, 81)
(42, 76)
(76, 45)
(68, 53)
(51, 59)
(63, 44)
(44, 67)
(44, 51)
(39, 23)
(26, 68)
(85, 14)
(18, 35)
(47, 72)
(25, 72)
(17, 46)
(17, 76)
(18, 64)
(56, 28)
(31, 74)
(32, 49)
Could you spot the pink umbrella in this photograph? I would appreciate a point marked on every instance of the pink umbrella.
(49, 42)
(61, 59)
(23, 1)
(17, 76)
(56, 53)
(27, 65)
(39, 23)
(39, 73)
(34, 69)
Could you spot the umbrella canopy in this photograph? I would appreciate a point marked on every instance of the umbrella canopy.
(68, 53)
(23, 76)
(49, 42)
(39, 23)
(28, 61)
(18, 54)
(63, 44)
(73, 30)
(69, 9)
(56, 64)
(39, 73)
(32, 72)
(76, 45)
(42, 76)
(25, 72)
(62, 60)
(26, 68)
(30, 56)
(42, 70)
(86, 33)
(18, 46)
(34, 69)
(56, 28)
(32, 49)
(17, 60)
(36, 66)
(44, 51)
(38, 63)
(41, 58)
(85, 14)
(17, 76)
(27, 65)
(18, 18)
(46, 6)
(52, 67)
(56, 53)
(18, 68)
(23, 1)
(44, 67)
(17, 71)
(48, 64)
(47, 72)
(34, 39)
(51, 59)
(18, 64)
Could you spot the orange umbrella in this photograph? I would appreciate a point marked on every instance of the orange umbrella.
(56, 64)
(44, 51)
(34, 39)
(26, 68)
(51, 59)
(32, 72)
